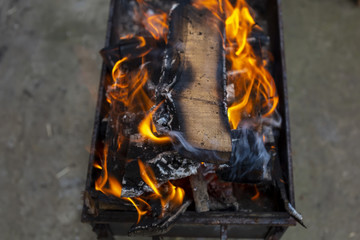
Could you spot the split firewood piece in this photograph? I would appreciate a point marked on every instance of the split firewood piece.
(166, 166)
(197, 83)
(200, 193)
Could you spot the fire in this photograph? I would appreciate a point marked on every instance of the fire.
(145, 128)
(114, 187)
(169, 195)
(127, 88)
(154, 23)
(101, 181)
(149, 177)
(255, 88)
(96, 165)
(214, 6)
(140, 212)
(257, 194)
(253, 85)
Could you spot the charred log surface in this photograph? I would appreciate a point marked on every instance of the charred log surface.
(115, 153)
(193, 79)
(150, 226)
(166, 166)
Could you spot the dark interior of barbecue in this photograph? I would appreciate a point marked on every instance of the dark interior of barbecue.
(167, 144)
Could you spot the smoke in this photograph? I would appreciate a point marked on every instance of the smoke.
(248, 154)
(185, 148)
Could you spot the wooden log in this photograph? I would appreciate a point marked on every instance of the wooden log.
(197, 83)
(166, 166)
(200, 193)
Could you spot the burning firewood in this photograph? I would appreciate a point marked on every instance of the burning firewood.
(193, 79)
(199, 190)
(191, 113)
(166, 166)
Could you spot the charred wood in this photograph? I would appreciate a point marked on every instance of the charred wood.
(193, 80)
(133, 48)
(166, 166)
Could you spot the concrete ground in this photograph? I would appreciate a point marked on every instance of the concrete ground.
(49, 71)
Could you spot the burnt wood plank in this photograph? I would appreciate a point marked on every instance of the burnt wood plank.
(195, 44)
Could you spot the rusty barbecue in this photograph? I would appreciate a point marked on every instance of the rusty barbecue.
(192, 121)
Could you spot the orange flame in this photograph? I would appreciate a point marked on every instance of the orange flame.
(146, 126)
(157, 26)
(101, 181)
(170, 197)
(149, 178)
(257, 194)
(253, 85)
(140, 212)
(127, 88)
(214, 6)
(254, 88)
(154, 23)
(96, 165)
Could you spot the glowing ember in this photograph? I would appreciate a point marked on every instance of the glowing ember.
(257, 194)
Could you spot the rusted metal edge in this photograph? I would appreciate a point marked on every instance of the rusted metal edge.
(99, 106)
(286, 106)
(209, 218)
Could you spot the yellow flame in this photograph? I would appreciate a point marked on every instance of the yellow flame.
(149, 177)
(146, 126)
(96, 165)
(254, 86)
(154, 23)
(140, 212)
(170, 197)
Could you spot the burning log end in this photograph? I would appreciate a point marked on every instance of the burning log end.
(150, 226)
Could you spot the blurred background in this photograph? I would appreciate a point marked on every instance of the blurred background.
(49, 76)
